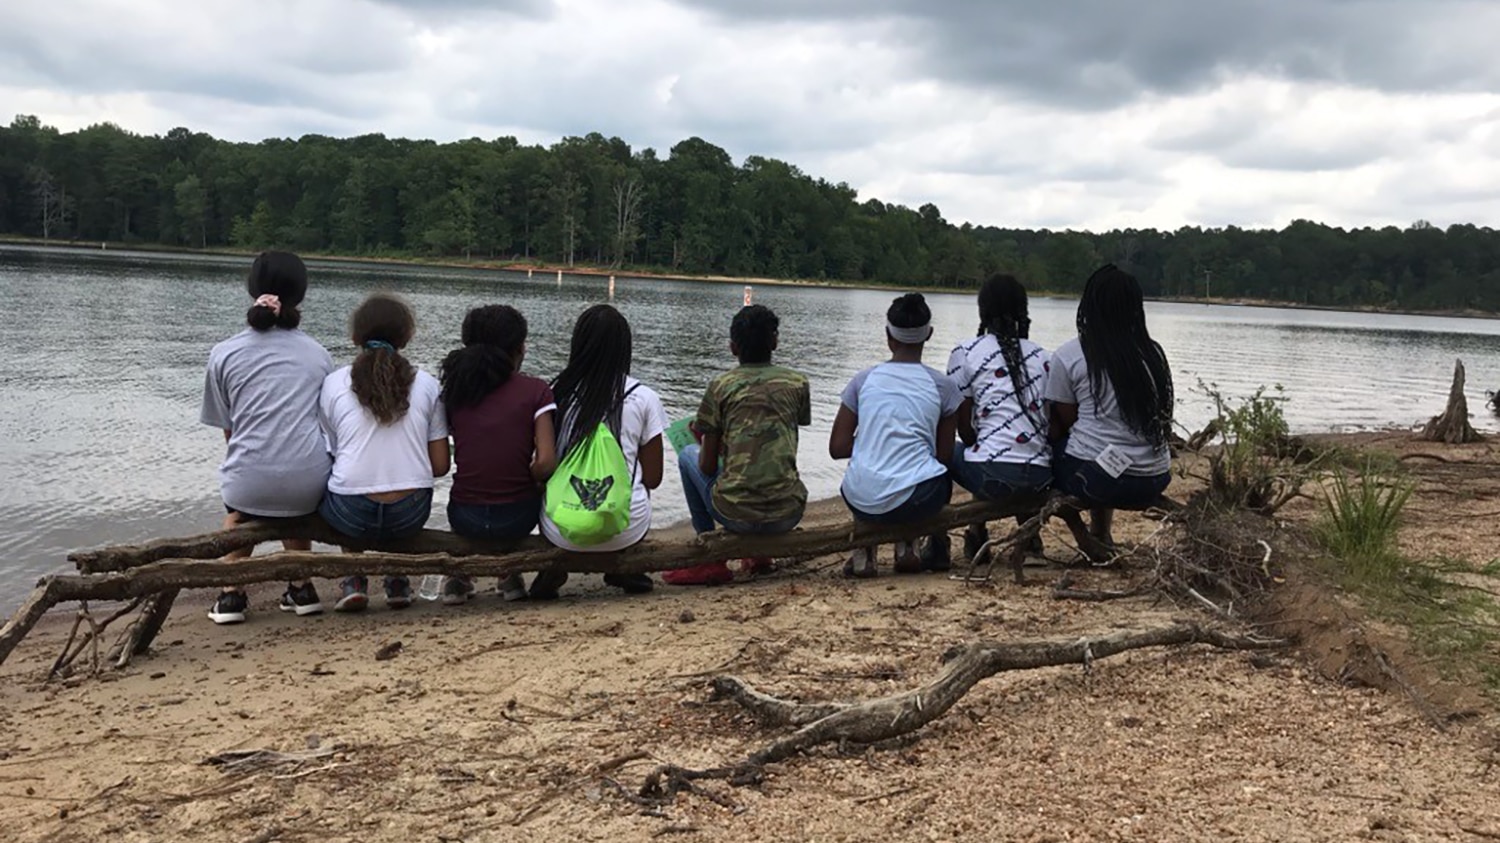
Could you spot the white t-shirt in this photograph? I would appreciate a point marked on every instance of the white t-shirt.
(1011, 428)
(898, 406)
(1099, 422)
(370, 457)
(642, 418)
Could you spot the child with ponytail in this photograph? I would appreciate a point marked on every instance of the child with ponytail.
(504, 438)
(388, 433)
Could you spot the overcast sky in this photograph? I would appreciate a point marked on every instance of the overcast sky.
(1037, 113)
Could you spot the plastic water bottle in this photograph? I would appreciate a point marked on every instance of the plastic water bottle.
(431, 587)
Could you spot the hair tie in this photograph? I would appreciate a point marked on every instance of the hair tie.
(270, 301)
(910, 336)
(379, 345)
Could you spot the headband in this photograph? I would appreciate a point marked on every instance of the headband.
(910, 336)
(270, 301)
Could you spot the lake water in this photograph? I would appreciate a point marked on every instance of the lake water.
(103, 356)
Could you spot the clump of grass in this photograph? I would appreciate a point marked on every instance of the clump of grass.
(1257, 464)
(1360, 520)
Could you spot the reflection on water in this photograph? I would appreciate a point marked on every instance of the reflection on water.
(103, 366)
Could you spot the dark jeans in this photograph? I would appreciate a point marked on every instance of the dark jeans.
(1085, 480)
(927, 500)
(992, 481)
(358, 517)
(498, 521)
(698, 488)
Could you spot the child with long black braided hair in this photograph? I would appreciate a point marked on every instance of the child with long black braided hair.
(1003, 420)
(1111, 394)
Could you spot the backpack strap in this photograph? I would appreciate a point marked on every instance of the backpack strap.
(637, 464)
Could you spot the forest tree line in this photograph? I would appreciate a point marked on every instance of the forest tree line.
(596, 200)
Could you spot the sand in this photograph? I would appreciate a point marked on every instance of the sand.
(525, 721)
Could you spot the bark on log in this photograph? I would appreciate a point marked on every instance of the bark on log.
(436, 553)
(1453, 425)
(890, 717)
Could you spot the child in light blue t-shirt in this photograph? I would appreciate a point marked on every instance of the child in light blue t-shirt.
(905, 415)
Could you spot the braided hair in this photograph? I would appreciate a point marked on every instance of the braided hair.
(492, 339)
(591, 387)
(380, 377)
(1003, 315)
(1119, 351)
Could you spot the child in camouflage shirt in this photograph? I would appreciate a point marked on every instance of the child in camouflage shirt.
(743, 472)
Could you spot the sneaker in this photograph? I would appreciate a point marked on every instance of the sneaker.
(545, 584)
(907, 561)
(975, 537)
(353, 595)
(861, 563)
(302, 599)
(229, 607)
(934, 554)
(512, 588)
(631, 583)
(714, 573)
(456, 590)
(398, 592)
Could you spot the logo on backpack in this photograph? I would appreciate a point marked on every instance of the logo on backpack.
(591, 492)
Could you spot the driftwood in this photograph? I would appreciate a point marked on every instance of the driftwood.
(882, 719)
(165, 566)
(1453, 425)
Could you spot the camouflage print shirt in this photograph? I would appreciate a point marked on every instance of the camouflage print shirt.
(755, 410)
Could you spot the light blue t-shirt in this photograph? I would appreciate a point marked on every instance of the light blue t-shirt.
(895, 445)
(263, 386)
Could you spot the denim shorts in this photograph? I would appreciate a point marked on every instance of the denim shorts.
(927, 499)
(495, 521)
(993, 481)
(358, 517)
(1085, 480)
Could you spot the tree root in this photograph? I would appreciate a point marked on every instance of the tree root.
(882, 719)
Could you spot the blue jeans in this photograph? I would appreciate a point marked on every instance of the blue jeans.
(698, 488)
(927, 500)
(497, 521)
(1085, 480)
(993, 481)
(358, 517)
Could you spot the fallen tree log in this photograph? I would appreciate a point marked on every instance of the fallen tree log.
(890, 717)
(145, 570)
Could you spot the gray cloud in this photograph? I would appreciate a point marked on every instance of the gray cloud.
(1089, 54)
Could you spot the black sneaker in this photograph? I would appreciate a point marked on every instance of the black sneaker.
(975, 537)
(230, 607)
(301, 599)
(353, 595)
(545, 584)
(630, 583)
(935, 553)
(397, 592)
(456, 590)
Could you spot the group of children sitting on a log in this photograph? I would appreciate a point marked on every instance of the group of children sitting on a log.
(578, 458)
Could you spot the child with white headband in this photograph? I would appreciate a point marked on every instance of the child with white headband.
(905, 416)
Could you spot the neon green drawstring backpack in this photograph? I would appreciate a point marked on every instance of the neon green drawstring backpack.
(588, 497)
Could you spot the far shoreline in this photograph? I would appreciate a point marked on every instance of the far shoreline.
(535, 266)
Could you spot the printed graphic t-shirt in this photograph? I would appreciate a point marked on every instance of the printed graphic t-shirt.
(642, 418)
(1010, 427)
(756, 410)
(1099, 424)
(262, 387)
(494, 442)
(370, 457)
(899, 406)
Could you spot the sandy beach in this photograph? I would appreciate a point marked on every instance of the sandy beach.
(539, 721)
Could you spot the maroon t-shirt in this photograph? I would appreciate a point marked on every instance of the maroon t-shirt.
(493, 442)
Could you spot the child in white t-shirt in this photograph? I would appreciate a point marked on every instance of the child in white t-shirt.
(389, 437)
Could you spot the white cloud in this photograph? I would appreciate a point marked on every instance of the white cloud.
(1105, 123)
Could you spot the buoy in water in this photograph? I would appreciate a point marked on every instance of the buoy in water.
(528, 274)
(747, 295)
